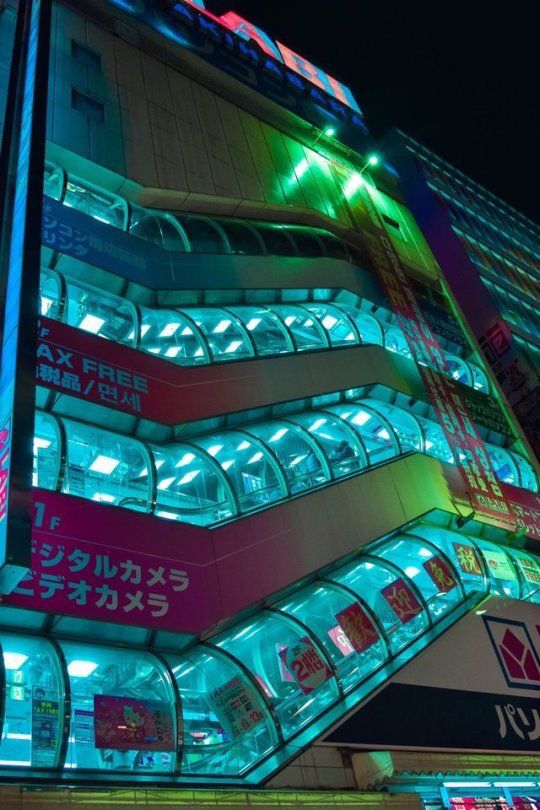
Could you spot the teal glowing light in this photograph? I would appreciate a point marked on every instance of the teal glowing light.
(329, 132)
(373, 160)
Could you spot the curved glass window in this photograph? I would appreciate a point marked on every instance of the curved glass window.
(335, 248)
(50, 293)
(529, 570)
(376, 433)
(276, 239)
(226, 337)
(369, 328)
(47, 451)
(462, 552)
(100, 313)
(527, 475)
(458, 369)
(268, 332)
(227, 725)
(432, 573)
(168, 333)
(106, 467)
(96, 203)
(306, 241)
(204, 235)
(288, 665)
(337, 325)
(34, 703)
(436, 444)
(306, 330)
(501, 570)
(299, 455)
(392, 599)
(504, 465)
(480, 379)
(405, 424)
(394, 340)
(242, 237)
(190, 487)
(343, 627)
(122, 715)
(159, 228)
(344, 451)
(53, 181)
(254, 474)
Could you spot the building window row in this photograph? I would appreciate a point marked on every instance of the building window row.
(202, 335)
(220, 707)
(218, 477)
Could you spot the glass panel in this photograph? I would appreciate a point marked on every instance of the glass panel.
(527, 474)
(480, 380)
(34, 703)
(329, 612)
(159, 228)
(203, 235)
(123, 715)
(95, 203)
(306, 241)
(335, 248)
(432, 574)
(168, 333)
(275, 238)
(389, 596)
(458, 369)
(267, 331)
(307, 332)
(47, 453)
(369, 327)
(504, 466)
(190, 487)
(53, 181)
(529, 570)
(299, 456)
(342, 447)
(99, 313)
(255, 476)
(338, 327)
(287, 664)
(462, 552)
(227, 726)
(501, 571)
(106, 467)
(49, 293)
(405, 425)
(394, 340)
(225, 336)
(242, 238)
(436, 444)
(376, 434)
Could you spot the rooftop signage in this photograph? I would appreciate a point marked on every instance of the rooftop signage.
(241, 49)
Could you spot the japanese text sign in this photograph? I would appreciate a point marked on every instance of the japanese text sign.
(358, 627)
(237, 707)
(440, 573)
(402, 600)
(306, 665)
(468, 559)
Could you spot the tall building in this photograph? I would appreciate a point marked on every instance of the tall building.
(269, 524)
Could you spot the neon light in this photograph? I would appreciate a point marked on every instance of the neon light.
(248, 31)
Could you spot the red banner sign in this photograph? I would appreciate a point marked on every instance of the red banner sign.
(440, 573)
(402, 601)
(358, 627)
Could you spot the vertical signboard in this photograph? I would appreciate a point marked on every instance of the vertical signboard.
(21, 190)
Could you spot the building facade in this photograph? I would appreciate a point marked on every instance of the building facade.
(260, 485)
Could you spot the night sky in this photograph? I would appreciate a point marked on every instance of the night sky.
(461, 78)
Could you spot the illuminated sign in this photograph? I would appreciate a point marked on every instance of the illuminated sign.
(248, 53)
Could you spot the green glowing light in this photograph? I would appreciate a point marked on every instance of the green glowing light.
(373, 160)
(329, 132)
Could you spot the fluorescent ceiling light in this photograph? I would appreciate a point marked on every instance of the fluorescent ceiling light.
(13, 660)
(40, 444)
(46, 304)
(198, 353)
(466, 784)
(222, 327)
(383, 434)
(329, 321)
(104, 464)
(256, 457)
(214, 450)
(91, 323)
(317, 424)
(244, 445)
(103, 497)
(186, 331)
(290, 319)
(253, 324)
(167, 515)
(165, 484)
(279, 434)
(429, 444)
(425, 552)
(227, 465)
(188, 477)
(298, 459)
(411, 571)
(173, 351)
(81, 669)
(233, 347)
(168, 330)
(187, 458)
(144, 329)
(360, 418)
